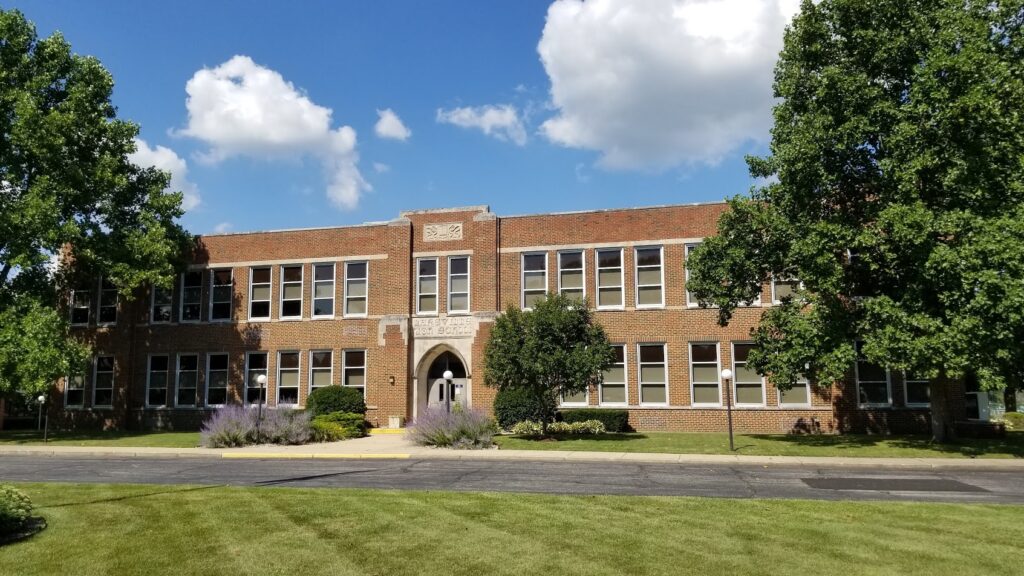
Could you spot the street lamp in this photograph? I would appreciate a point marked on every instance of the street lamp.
(262, 381)
(448, 384)
(727, 377)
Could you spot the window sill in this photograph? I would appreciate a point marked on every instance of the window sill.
(267, 319)
(650, 307)
(290, 318)
(355, 316)
(322, 317)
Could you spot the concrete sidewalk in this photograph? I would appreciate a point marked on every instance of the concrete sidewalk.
(397, 447)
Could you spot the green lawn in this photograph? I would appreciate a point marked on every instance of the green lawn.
(779, 445)
(100, 438)
(145, 530)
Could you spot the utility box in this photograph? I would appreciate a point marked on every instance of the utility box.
(396, 421)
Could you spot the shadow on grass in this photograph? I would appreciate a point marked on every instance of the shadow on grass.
(33, 526)
(1012, 444)
(132, 496)
(35, 436)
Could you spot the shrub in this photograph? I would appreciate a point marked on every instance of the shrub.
(229, 427)
(338, 426)
(1014, 420)
(15, 510)
(613, 420)
(527, 428)
(284, 426)
(512, 405)
(460, 428)
(336, 399)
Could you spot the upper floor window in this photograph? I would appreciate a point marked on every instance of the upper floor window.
(917, 391)
(873, 387)
(426, 286)
(160, 305)
(613, 382)
(191, 296)
(570, 274)
(323, 290)
(609, 278)
(458, 284)
(259, 293)
(221, 295)
(81, 304)
(691, 301)
(535, 279)
(649, 278)
(356, 288)
(748, 385)
(653, 374)
(783, 288)
(108, 303)
(103, 382)
(291, 292)
(704, 374)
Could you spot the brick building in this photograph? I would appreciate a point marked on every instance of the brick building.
(389, 306)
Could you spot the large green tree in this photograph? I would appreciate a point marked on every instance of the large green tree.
(556, 349)
(68, 190)
(894, 189)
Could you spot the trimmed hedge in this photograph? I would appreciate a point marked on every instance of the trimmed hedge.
(338, 426)
(512, 405)
(1014, 420)
(331, 399)
(613, 420)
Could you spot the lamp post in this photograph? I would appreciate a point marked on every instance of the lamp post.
(448, 392)
(46, 422)
(262, 381)
(727, 377)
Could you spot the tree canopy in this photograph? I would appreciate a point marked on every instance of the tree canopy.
(555, 350)
(68, 189)
(894, 190)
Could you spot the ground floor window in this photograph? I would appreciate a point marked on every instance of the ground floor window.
(321, 369)
(255, 366)
(872, 382)
(747, 383)
(216, 379)
(354, 370)
(653, 374)
(704, 375)
(156, 381)
(917, 391)
(74, 391)
(187, 380)
(798, 395)
(287, 378)
(103, 382)
(613, 382)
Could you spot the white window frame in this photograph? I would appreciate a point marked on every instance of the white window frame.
(625, 376)
(280, 290)
(245, 381)
(311, 368)
(906, 402)
(888, 383)
(522, 277)
(252, 286)
(640, 370)
(149, 377)
(95, 372)
(469, 288)
(582, 269)
(181, 298)
(207, 379)
(177, 380)
(810, 400)
(690, 302)
(622, 279)
(213, 289)
(764, 383)
(347, 297)
(72, 308)
(312, 290)
(67, 388)
(298, 380)
(437, 287)
(718, 374)
(775, 299)
(636, 277)
(100, 306)
(345, 368)
(152, 305)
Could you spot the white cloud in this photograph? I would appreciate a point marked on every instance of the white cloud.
(501, 121)
(165, 159)
(223, 227)
(661, 83)
(243, 109)
(389, 125)
(381, 168)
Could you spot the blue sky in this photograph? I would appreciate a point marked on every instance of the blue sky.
(527, 106)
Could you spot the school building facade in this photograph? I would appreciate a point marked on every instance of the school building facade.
(388, 307)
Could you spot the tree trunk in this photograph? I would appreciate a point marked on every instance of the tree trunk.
(941, 409)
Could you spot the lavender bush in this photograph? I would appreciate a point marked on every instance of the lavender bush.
(233, 426)
(460, 428)
(283, 426)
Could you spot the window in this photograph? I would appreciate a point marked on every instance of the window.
(690, 300)
(353, 369)
(704, 375)
(798, 395)
(108, 303)
(291, 292)
(287, 378)
(649, 278)
(872, 382)
(426, 286)
(356, 274)
(74, 391)
(221, 295)
(609, 278)
(259, 293)
(748, 386)
(156, 381)
(535, 278)
(103, 382)
(784, 287)
(653, 374)
(458, 284)
(323, 290)
(321, 369)
(160, 305)
(917, 391)
(216, 379)
(255, 366)
(570, 275)
(191, 296)
(187, 380)
(613, 381)
(81, 304)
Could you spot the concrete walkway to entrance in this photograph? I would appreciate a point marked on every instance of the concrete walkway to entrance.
(398, 447)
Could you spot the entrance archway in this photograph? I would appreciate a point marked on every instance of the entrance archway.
(433, 390)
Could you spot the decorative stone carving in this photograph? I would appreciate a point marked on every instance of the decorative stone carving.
(451, 327)
(354, 331)
(441, 232)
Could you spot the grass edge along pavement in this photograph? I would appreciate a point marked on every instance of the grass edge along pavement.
(145, 529)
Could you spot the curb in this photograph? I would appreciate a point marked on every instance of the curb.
(308, 456)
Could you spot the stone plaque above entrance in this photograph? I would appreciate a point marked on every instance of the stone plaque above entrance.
(452, 327)
(439, 232)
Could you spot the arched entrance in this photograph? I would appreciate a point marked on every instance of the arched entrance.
(433, 390)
